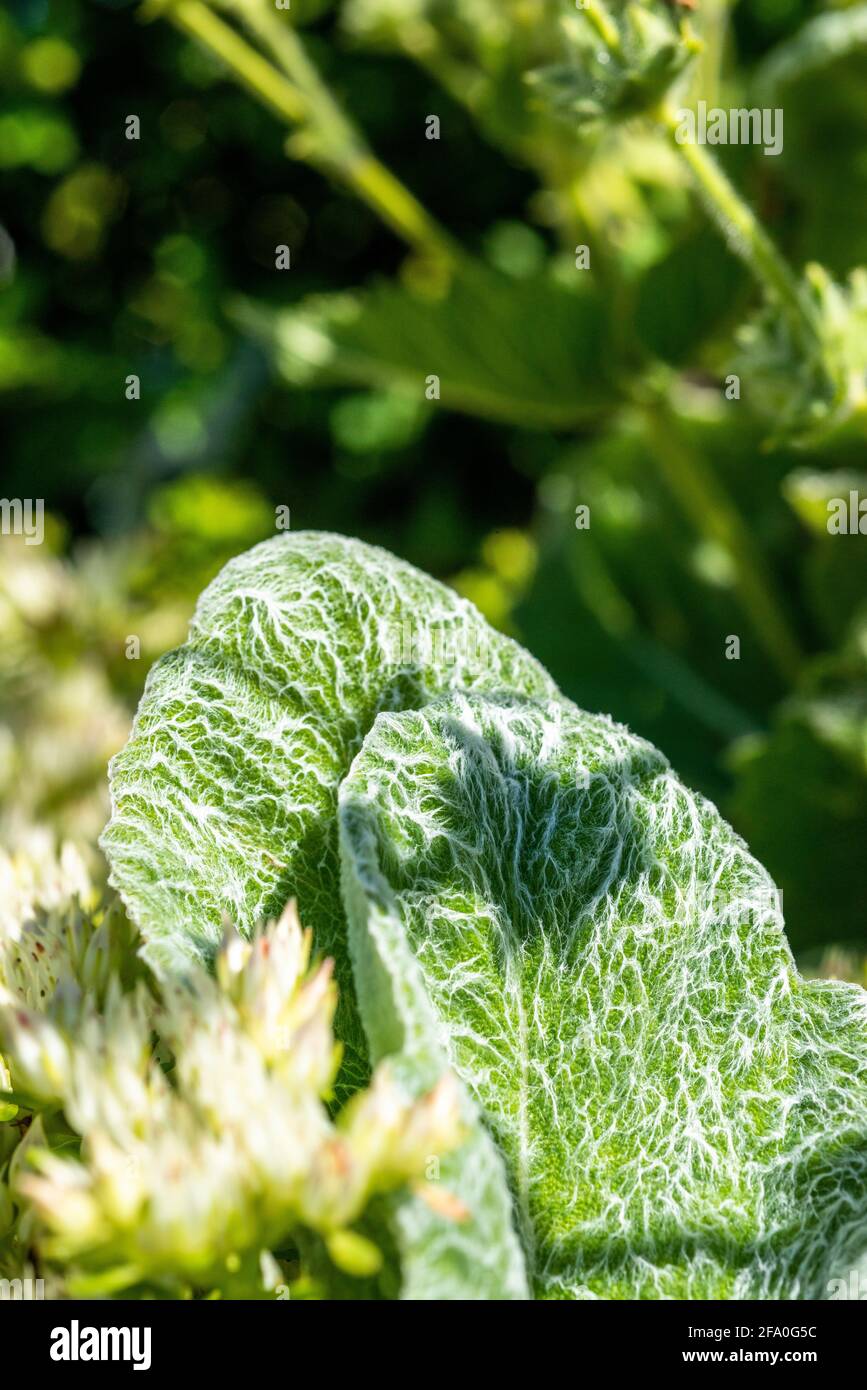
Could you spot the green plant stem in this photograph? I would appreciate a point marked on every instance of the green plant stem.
(743, 231)
(706, 503)
(254, 72)
(708, 67)
(300, 98)
(288, 50)
(370, 179)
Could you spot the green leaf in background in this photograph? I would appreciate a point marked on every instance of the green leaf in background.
(811, 771)
(834, 560)
(820, 42)
(529, 351)
(679, 305)
(536, 898)
(817, 76)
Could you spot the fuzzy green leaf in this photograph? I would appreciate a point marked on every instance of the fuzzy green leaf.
(535, 897)
(225, 797)
(655, 1103)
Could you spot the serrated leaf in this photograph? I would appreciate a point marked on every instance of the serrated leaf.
(537, 899)
(529, 351)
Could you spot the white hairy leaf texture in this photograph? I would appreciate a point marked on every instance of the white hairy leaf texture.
(535, 898)
(655, 1103)
(225, 797)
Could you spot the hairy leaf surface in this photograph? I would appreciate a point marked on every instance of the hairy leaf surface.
(655, 1103)
(225, 797)
(534, 896)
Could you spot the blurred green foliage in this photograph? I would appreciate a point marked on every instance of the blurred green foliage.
(560, 388)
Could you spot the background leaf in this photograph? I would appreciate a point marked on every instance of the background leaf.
(526, 351)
